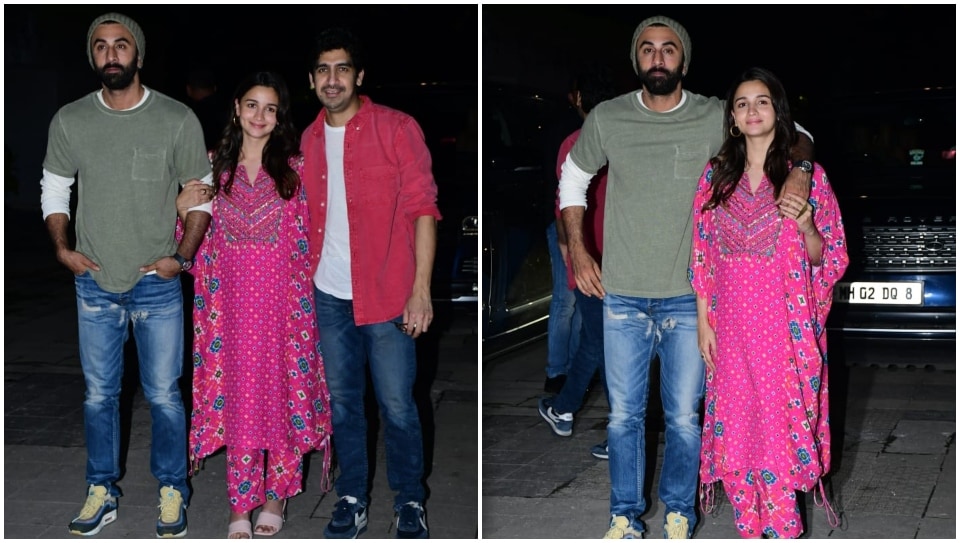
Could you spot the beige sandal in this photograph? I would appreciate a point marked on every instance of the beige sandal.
(240, 527)
(272, 520)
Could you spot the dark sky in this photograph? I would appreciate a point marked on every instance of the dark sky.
(814, 49)
(405, 43)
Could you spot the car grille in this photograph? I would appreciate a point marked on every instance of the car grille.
(910, 247)
(468, 266)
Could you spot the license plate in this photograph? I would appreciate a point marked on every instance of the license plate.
(884, 293)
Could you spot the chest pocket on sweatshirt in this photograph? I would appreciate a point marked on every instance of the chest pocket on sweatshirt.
(149, 163)
(690, 160)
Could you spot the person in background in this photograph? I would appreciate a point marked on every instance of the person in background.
(130, 148)
(563, 325)
(259, 386)
(565, 321)
(204, 100)
(764, 277)
(589, 88)
(373, 209)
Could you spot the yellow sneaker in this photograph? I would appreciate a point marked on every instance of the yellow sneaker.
(173, 514)
(622, 527)
(676, 527)
(99, 510)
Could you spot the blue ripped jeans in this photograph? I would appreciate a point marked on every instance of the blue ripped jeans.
(155, 307)
(635, 331)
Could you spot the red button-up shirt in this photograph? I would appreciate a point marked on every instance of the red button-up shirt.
(389, 184)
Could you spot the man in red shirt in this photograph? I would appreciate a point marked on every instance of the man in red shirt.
(373, 214)
(589, 88)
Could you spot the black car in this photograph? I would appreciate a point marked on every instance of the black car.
(891, 159)
(522, 131)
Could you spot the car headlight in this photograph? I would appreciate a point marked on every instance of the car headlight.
(470, 225)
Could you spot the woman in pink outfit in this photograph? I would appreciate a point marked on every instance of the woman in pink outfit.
(258, 381)
(763, 268)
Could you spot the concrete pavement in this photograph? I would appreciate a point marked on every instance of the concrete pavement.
(894, 470)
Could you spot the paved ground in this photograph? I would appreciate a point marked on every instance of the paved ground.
(894, 477)
(894, 466)
(44, 454)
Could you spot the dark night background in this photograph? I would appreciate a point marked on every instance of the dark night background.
(45, 62)
(816, 50)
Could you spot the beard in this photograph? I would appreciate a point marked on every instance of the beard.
(118, 80)
(661, 85)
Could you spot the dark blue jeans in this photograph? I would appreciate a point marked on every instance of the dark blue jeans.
(563, 327)
(390, 354)
(589, 357)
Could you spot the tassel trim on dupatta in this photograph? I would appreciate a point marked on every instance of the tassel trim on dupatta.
(832, 518)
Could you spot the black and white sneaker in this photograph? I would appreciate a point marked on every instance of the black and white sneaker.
(349, 519)
(411, 521)
(601, 451)
(560, 423)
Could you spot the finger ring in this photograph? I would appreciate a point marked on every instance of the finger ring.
(414, 325)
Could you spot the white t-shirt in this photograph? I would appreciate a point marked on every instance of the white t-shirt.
(333, 273)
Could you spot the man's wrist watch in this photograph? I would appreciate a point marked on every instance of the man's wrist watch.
(185, 264)
(804, 165)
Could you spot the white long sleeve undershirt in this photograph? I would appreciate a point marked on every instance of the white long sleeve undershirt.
(55, 194)
(573, 184)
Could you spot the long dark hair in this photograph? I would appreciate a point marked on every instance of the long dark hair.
(731, 160)
(284, 142)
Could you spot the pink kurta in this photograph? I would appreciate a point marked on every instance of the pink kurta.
(258, 378)
(766, 409)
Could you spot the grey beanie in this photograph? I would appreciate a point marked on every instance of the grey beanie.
(675, 26)
(129, 23)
